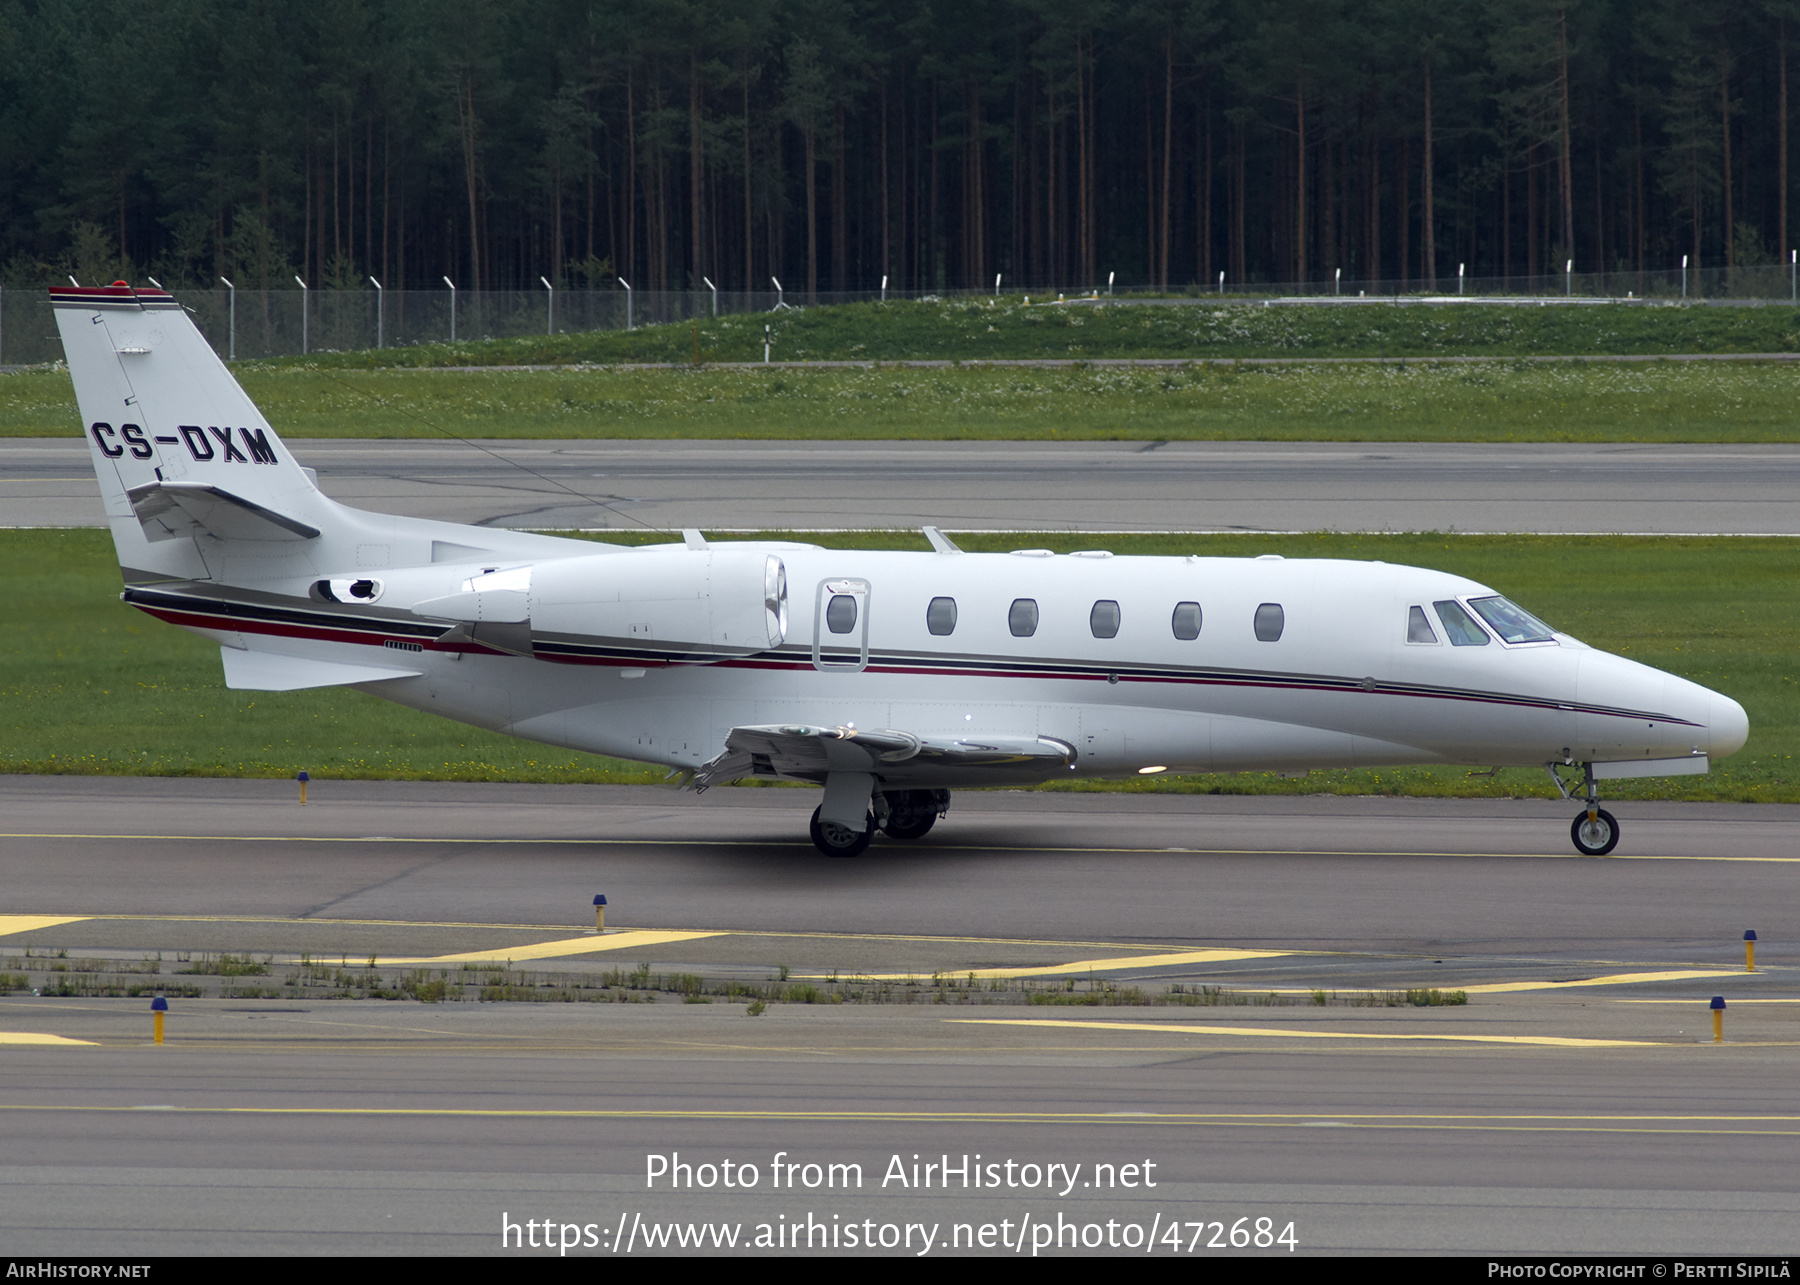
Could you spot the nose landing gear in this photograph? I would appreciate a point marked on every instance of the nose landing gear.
(1594, 831)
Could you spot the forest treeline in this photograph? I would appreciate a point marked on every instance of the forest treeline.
(831, 143)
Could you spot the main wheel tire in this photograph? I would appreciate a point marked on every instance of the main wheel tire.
(911, 814)
(1597, 837)
(836, 840)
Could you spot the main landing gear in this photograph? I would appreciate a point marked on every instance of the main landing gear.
(900, 814)
(836, 840)
(1595, 831)
(912, 813)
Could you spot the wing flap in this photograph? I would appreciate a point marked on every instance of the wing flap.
(808, 753)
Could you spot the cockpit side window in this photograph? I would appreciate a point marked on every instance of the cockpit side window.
(1460, 625)
(1418, 627)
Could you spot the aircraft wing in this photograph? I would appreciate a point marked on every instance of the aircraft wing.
(803, 753)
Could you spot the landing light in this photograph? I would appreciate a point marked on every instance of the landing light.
(1151, 771)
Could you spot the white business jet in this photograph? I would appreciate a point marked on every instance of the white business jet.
(888, 678)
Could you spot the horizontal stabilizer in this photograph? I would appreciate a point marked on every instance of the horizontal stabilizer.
(261, 671)
(171, 510)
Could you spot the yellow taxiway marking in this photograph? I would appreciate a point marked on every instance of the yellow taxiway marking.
(1165, 1028)
(1096, 965)
(10, 924)
(1616, 979)
(702, 932)
(589, 945)
(33, 1037)
(595, 842)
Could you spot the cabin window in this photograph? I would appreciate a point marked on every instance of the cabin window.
(840, 626)
(940, 616)
(1512, 622)
(1022, 618)
(1460, 626)
(1270, 620)
(1418, 626)
(840, 614)
(1104, 619)
(1186, 621)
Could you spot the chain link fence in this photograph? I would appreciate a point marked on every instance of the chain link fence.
(251, 324)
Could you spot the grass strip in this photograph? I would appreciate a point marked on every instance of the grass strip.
(94, 687)
(988, 329)
(1420, 401)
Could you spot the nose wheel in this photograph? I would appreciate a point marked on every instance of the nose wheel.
(1595, 833)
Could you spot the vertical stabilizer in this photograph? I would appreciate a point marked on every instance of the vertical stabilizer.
(169, 428)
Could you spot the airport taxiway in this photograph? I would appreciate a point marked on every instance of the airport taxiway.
(1575, 1104)
(1541, 488)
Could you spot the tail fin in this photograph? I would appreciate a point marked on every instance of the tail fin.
(178, 447)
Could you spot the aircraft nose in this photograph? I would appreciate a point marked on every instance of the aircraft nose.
(1705, 721)
(1729, 725)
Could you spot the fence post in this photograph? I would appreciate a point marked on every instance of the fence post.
(233, 290)
(715, 294)
(627, 285)
(380, 314)
(550, 311)
(305, 294)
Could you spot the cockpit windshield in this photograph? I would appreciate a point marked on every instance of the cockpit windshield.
(1512, 622)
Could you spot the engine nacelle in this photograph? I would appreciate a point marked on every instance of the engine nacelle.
(674, 605)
